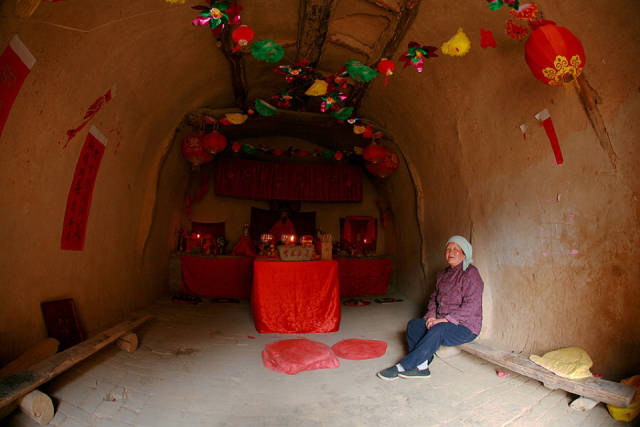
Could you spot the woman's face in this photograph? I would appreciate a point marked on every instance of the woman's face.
(454, 254)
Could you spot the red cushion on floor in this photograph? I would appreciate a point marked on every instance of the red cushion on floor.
(293, 356)
(356, 349)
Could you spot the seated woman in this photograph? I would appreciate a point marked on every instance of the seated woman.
(454, 314)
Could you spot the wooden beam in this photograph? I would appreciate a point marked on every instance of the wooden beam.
(238, 72)
(313, 24)
(403, 21)
(590, 101)
(18, 385)
(614, 393)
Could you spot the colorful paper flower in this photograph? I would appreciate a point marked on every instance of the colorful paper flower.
(241, 37)
(236, 118)
(487, 39)
(298, 71)
(360, 72)
(516, 31)
(283, 100)
(267, 50)
(527, 11)
(458, 45)
(214, 16)
(497, 4)
(332, 101)
(416, 54)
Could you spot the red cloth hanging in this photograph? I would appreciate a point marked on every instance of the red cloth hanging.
(253, 179)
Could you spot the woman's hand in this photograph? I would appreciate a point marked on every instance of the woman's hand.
(432, 321)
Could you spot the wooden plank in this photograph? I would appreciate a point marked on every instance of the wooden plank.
(18, 385)
(31, 356)
(594, 388)
(313, 23)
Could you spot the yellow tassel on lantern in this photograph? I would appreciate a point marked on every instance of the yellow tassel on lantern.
(175, 1)
(458, 45)
(236, 118)
(318, 88)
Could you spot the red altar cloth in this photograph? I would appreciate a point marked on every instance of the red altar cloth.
(295, 297)
(364, 276)
(219, 276)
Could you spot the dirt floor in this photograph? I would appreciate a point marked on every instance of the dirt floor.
(201, 365)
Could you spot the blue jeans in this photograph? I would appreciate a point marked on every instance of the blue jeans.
(424, 343)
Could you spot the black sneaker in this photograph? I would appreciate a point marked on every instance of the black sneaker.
(389, 374)
(415, 373)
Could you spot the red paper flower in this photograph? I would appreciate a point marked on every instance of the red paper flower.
(487, 39)
(516, 31)
(527, 12)
(416, 54)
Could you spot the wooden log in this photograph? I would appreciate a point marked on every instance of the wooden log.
(18, 385)
(38, 406)
(128, 342)
(313, 23)
(594, 388)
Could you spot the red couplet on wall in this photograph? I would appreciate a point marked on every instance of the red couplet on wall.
(15, 63)
(81, 191)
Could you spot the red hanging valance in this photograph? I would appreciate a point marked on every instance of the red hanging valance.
(253, 179)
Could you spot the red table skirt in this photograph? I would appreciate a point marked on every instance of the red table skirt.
(364, 276)
(222, 277)
(296, 297)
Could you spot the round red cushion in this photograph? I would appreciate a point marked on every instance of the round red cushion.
(356, 349)
(295, 355)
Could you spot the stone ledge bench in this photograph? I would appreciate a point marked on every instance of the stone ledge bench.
(596, 389)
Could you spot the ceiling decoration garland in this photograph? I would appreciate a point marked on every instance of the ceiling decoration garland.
(556, 67)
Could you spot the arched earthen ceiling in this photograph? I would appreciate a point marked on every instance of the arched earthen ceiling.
(457, 123)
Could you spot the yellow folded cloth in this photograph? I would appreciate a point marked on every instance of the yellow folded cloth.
(570, 362)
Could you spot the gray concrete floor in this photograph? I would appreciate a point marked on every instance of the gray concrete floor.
(197, 365)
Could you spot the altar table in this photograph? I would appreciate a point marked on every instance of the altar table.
(217, 276)
(295, 297)
(364, 276)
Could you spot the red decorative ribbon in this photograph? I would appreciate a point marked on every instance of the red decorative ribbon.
(81, 191)
(15, 63)
(545, 117)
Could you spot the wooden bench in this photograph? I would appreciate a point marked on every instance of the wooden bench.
(597, 389)
(15, 387)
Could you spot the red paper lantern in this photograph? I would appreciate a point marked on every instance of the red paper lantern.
(214, 142)
(554, 54)
(236, 147)
(374, 153)
(192, 150)
(338, 155)
(386, 67)
(386, 167)
(241, 37)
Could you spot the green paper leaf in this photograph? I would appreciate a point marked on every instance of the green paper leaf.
(267, 50)
(360, 72)
(343, 113)
(264, 108)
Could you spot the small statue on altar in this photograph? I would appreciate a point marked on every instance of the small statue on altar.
(283, 226)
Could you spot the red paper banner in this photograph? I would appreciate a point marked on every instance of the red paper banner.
(545, 118)
(15, 63)
(81, 191)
